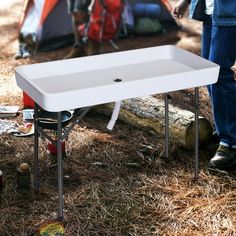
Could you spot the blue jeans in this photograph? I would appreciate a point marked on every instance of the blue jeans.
(218, 45)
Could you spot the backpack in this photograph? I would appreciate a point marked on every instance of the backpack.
(105, 20)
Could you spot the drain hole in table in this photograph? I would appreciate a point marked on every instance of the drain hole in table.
(117, 80)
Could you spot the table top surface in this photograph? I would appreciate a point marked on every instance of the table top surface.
(93, 80)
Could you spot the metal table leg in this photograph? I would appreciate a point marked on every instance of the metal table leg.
(60, 167)
(166, 151)
(196, 113)
(60, 138)
(36, 149)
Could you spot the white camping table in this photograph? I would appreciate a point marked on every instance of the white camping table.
(83, 82)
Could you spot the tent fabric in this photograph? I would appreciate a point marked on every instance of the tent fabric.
(165, 5)
(47, 23)
(47, 8)
(142, 10)
(32, 19)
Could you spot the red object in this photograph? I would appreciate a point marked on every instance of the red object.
(27, 101)
(52, 149)
(1, 182)
(105, 20)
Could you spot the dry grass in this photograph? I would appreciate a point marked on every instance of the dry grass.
(116, 183)
(113, 186)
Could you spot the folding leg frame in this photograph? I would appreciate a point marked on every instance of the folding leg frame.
(60, 137)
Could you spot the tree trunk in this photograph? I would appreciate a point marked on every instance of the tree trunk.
(148, 113)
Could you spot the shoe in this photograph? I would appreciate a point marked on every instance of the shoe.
(22, 52)
(25, 52)
(225, 157)
(19, 53)
(76, 52)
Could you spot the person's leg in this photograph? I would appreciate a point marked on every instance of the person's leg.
(206, 37)
(79, 12)
(223, 94)
(22, 51)
(93, 47)
(206, 45)
(19, 52)
(79, 16)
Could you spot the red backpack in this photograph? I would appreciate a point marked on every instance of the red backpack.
(105, 20)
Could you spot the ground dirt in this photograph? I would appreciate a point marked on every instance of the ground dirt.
(116, 183)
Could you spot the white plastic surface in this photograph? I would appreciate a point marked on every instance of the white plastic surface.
(93, 80)
(114, 116)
